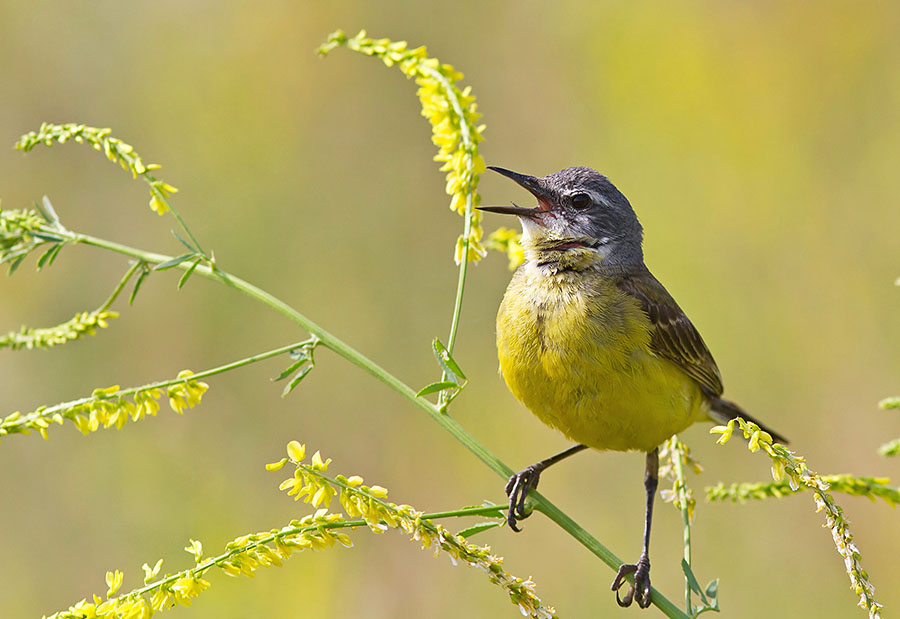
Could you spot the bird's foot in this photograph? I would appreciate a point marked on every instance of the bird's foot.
(640, 590)
(517, 489)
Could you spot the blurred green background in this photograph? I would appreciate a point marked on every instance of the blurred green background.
(758, 142)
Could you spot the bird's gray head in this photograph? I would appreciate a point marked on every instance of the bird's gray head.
(577, 208)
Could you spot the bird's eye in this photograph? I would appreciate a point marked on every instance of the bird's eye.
(581, 200)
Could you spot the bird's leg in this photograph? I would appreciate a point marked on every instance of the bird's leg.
(640, 590)
(526, 480)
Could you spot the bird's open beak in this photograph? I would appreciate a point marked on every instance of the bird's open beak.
(533, 185)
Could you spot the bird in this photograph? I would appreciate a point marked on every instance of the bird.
(594, 345)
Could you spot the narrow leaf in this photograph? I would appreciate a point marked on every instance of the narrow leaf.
(185, 243)
(13, 255)
(435, 387)
(712, 590)
(168, 264)
(478, 528)
(290, 369)
(187, 274)
(13, 265)
(137, 284)
(42, 261)
(46, 236)
(296, 380)
(54, 252)
(692, 581)
(49, 212)
(447, 363)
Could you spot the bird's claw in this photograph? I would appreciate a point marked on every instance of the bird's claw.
(640, 589)
(517, 489)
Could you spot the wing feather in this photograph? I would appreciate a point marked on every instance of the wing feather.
(673, 336)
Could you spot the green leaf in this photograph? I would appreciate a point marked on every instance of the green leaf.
(500, 513)
(185, 243)
(168, 264)
(187, 274)
(692, 581)
(45, 259)
(447, 363)
(14, 264)
(435, 387)
(712, 590)
(47, 212)
(54, 252)
(290, 369)
(46, 236)
(478, 528)
(137, 284)
(296, 380)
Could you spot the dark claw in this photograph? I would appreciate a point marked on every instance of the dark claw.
(517, 489)
(640, 590)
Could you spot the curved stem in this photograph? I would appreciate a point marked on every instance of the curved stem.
(466, 139)
(355, 357)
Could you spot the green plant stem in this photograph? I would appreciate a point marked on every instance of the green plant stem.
(207, 564)
(65, 406)
(353, 356)
(466, 138)
(681, 480)
(115, 293)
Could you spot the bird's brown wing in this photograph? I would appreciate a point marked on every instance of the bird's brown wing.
(673, 336)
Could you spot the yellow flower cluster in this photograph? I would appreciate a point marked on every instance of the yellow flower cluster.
(115, 150)
(368, 502)
(792, 469)
(507, 241)
(108, 407)
(675, 456)
(85, 323)
(246, 554)
(452, 113)
(872, 487)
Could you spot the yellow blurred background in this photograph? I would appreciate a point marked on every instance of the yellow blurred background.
(758, 142)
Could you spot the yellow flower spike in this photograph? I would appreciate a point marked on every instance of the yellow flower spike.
(354, 480)
(296, 451)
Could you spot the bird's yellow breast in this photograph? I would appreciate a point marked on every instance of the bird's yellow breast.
(575, 350)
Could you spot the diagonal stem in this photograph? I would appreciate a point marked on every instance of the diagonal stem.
(355, 357)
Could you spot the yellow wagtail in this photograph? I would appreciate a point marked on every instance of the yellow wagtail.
(591, 343)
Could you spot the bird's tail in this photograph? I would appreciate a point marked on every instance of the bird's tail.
(724, 411)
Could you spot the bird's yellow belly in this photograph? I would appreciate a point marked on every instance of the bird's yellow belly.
(580, 360)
